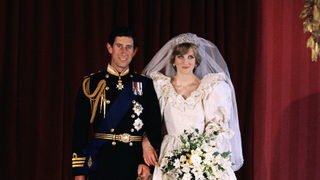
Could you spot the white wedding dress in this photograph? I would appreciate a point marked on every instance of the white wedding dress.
(207, 109)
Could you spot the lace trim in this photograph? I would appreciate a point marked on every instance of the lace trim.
(166, 90)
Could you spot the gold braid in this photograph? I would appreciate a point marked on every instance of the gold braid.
(95, 96)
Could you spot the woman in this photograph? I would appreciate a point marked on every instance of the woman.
(195, 92)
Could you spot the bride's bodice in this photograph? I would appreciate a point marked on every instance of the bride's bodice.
(183, 117)
(204, 105)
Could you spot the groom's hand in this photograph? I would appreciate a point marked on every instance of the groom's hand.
(149, 154)
(143, 171)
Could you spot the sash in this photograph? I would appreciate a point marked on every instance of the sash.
(111, 120)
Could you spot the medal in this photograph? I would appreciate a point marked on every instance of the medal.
(140, 88)
(138, 124)
(137, 108)
(137, 88)
(134, 88)
(120, 85)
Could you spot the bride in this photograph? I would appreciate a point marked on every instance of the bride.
(194, 90)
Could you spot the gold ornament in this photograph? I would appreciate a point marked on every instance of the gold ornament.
(311, 24)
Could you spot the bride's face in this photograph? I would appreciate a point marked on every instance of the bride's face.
(185, 63)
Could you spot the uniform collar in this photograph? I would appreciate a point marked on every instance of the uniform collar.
(114, 72)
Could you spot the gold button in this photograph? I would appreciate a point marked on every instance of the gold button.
(112, 130)
(133, 116)
(133, 101)
(131, 75)
(107, 88)
(132, 130)
(114, 143)
(107, 75)
(108, 102)
(130, 144)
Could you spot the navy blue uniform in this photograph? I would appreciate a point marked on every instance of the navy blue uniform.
(118, 161)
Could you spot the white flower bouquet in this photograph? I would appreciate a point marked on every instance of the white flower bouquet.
(197, 158)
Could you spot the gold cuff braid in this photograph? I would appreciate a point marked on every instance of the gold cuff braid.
(77, 162)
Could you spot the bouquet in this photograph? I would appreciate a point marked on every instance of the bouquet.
(197, 158)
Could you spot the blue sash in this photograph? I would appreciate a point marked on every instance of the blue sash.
(114, 115)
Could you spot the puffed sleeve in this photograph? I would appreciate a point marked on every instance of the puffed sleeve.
(161, 85)
(158, 80)
(217, 107)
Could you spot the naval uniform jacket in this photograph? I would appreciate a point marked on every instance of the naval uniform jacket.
(118, 161)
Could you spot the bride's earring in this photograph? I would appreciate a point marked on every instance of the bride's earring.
(174, 65)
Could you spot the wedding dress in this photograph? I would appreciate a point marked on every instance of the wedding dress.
(207, 109)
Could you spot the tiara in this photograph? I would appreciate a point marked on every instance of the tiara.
(185, 38)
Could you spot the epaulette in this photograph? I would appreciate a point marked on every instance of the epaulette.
(142, 75)
(91, 75)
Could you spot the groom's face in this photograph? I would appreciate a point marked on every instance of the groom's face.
(122, 51)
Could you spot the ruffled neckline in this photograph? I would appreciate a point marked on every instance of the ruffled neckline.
(177, 100)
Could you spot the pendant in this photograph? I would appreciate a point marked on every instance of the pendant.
(120, 85)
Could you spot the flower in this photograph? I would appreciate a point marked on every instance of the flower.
(187, 176)
(176, 163)
(183, 158)
(197, 158)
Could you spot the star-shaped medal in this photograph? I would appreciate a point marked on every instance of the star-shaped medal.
(120, 85)
(138, 124)
(137, 108)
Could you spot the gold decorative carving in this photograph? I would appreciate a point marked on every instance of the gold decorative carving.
(311, 24)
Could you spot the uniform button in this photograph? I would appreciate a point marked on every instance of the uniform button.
(133, 101)
(107, 88)
(133, 116)
(107, 75)
(112, 130)
(108, 102)
(132, 130)
(131, 75)
(114, 143)
(130, 144)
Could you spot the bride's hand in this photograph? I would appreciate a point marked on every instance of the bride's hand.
(149, 154)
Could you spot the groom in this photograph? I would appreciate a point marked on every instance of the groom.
(121, 106)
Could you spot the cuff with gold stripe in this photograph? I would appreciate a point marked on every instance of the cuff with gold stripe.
(77, 162)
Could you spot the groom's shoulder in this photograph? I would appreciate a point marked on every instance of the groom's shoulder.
(143, 76)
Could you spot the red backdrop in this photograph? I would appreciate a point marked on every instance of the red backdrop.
(46, 47)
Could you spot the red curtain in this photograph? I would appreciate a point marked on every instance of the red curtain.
(47, 47)
(286, 96)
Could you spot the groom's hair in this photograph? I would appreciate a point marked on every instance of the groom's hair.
(123, 31)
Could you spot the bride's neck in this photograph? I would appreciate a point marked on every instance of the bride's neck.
(185, 79)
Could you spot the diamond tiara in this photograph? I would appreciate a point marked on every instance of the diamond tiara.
(185, 38)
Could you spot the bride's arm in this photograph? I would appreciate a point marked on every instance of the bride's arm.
(217, 107)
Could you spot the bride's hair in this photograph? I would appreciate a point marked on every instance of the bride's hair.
(183, 49)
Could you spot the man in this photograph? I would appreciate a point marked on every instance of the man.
(121, 106)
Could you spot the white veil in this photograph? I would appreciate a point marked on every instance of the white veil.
(212, 62)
